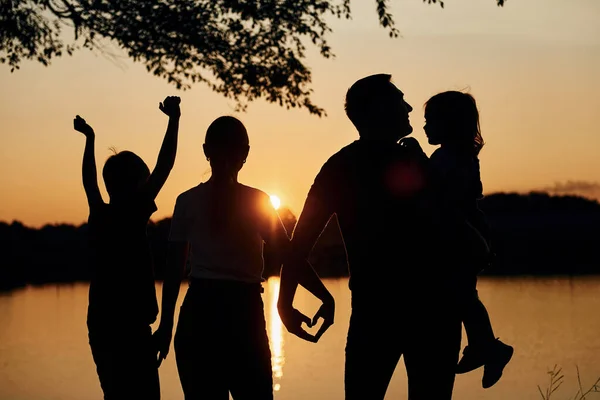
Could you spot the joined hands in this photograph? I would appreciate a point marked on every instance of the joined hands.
(293, 319)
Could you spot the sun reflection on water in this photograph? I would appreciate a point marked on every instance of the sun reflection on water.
(275, 332)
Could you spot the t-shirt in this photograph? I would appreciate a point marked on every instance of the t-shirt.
(226, 228)
(377, 191)
(122, 288)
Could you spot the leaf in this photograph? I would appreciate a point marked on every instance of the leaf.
(185, 42)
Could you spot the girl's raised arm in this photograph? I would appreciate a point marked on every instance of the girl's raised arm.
(168, 150)
(89, 174)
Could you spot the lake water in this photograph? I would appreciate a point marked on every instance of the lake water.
(44, 353)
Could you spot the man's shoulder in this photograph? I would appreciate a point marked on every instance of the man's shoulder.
(349, 151)
(343, 157)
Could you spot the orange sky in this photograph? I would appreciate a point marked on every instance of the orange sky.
(532, 66)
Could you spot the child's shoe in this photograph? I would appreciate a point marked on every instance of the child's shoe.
(499, 355)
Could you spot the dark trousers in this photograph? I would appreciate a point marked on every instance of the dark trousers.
(380, 333)
(221, 342)
(476, 319)
(125, 359)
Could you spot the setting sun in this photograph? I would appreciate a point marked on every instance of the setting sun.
(275, 201)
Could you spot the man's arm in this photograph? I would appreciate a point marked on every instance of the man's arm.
(88, 168)
(296, 268)
(168, 150)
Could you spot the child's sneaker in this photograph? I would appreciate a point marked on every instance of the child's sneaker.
(473, 358)
(499, 355)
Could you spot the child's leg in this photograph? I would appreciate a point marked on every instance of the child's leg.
(139, 370)
(104, 358)
(483, 348)
(476, 321)
(125, 360)
(478, 327)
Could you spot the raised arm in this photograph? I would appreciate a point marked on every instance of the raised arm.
(168, 150)
(88, 170)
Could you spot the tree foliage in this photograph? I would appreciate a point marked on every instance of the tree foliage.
(242, 49)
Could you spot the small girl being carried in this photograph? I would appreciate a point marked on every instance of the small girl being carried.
(452, 122)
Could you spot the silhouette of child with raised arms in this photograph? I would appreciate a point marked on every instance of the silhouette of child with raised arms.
(452, 121)
(122, 297)
(221, 343)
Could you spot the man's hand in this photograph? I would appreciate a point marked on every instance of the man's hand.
(80, 125)
(170, 106)
(162, 341)
(293, 319)
(327, 312)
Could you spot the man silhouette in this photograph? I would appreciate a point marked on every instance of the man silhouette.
(401, 297)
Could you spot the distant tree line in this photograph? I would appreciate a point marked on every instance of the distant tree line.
(538, 234)
(533, 234)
